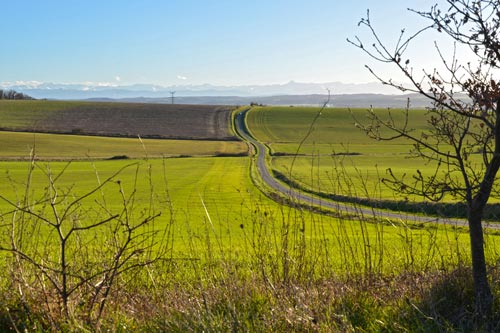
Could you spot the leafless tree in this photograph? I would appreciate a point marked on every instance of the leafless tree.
(70, 248)
(464, 136)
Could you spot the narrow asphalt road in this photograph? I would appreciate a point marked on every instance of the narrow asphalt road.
(302, 197)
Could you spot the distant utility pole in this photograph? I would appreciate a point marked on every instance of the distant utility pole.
(172, 96)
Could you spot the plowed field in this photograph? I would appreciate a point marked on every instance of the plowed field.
(201, 122)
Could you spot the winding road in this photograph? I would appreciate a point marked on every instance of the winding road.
(304, 198)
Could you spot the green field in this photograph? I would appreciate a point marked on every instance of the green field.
(18, 145)
(184, 183)
(330, 154)
(234, 254)
(334, 131)
(26, 114)
(235, 209)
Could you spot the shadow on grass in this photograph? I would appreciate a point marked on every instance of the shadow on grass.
(442, 209)
(447, 305)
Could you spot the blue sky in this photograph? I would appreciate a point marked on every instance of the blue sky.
(219, 42)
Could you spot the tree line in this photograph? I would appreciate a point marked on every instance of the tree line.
(12, 94)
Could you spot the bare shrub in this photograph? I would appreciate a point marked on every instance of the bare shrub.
(69, 251)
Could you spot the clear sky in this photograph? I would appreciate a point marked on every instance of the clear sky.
(166, 42)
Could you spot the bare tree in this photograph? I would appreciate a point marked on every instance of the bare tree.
(70, 251)
(464, 136)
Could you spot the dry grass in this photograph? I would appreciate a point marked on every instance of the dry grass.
(229, 296)
(437, 301)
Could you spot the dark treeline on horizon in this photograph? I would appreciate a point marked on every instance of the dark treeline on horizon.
(12, 94)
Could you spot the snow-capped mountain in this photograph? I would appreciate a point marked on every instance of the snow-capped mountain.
(109, 90)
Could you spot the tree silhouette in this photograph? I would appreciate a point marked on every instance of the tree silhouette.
(12, 94)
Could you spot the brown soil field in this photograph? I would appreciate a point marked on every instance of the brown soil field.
(166, 121)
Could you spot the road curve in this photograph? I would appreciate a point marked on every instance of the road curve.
(304, 198)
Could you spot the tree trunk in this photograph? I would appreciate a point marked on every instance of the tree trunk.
(484, 298)
(482, 291)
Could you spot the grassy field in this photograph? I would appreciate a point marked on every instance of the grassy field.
(235, 260)
(236, 249)
(233, 206)
(184, 183)
(334, 131)
(335, 156)
(18, 145)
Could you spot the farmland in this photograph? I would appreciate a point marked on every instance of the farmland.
(334, 131)
(18, 145)
(331, 155)
(88, 130)
(118, 119)
(234, 253)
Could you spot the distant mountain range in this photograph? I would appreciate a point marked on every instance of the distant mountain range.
(291, 93)
(100, 90)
